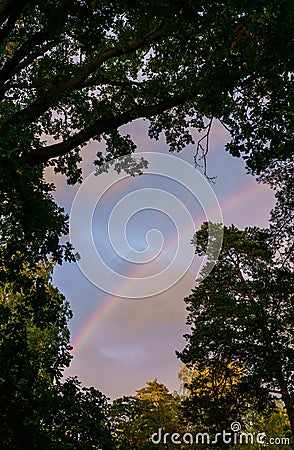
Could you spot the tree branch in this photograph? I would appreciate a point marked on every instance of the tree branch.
(6, 6)
(9, 68)
(40, 106)
(104, 125)
(110, 53)
(104, 80)
(14, 8)
(204, 150)
(241, 277)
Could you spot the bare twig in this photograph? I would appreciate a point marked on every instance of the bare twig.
(204, 150)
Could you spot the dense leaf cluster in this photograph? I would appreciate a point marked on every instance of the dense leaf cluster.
(79, 70)
(243, 313)
(37, 409)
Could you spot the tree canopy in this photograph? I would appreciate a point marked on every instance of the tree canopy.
(38, 410)
(243, 313)
(75, 71)
(135, 419)
(213, 397)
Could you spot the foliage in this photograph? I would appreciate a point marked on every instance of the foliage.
(212, 402)
(37, 410)
(34, 348)
(280, 179)
(124, 416)
(243, 313)
(79, 70)
(214, 397)
(136, 419)
(78, 418)
(274, 423)
(31, 222)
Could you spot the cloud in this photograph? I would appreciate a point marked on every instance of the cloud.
(130, 356)
(119, 362)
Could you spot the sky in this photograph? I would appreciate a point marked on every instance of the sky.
(137, 261)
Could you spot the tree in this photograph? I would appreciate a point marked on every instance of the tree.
(212, 401)
(161, 410)
(280, 179)
(136, 419)
(124, 416)
(33, 350)
(243, 312)
(78, 418)
(37, 409)
(214, 397)
(76, 70)
(72, 71)
(274, 423)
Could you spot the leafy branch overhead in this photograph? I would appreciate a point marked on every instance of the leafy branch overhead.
(78, 70)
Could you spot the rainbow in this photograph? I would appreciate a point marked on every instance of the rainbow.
(104, 308)
(110, 301)
(99, 315)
